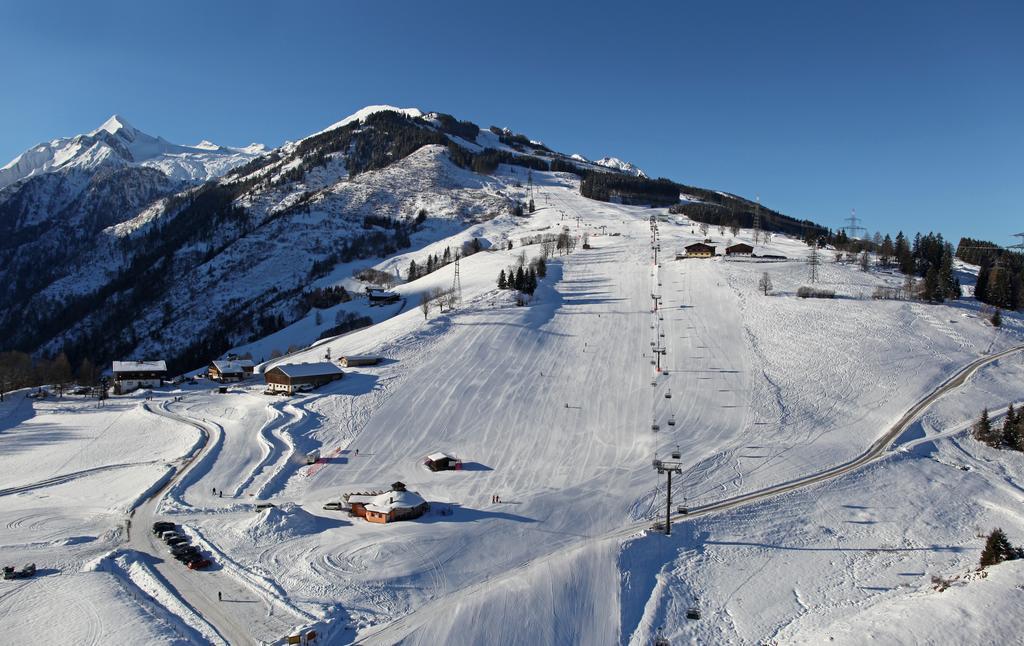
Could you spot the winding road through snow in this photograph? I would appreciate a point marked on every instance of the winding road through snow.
(192, 587)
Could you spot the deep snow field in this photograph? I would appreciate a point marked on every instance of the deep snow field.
(551, 407)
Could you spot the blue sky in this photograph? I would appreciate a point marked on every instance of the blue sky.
(913, 115)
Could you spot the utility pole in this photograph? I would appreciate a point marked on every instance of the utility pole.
(668, 467)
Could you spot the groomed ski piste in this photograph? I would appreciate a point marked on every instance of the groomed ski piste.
(552, 407)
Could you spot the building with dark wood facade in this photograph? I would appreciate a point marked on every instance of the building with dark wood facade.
(739, 249)
(230, 370)
(129, 375)
(699, 250)
(289, 377)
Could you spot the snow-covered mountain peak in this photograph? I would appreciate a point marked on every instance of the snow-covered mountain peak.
(113, 125)
(117, 144)
(359, 115)
(620, 165)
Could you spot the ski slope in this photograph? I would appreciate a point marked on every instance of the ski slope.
(552, 408)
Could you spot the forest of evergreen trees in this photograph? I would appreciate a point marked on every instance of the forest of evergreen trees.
(465, 129)
(435, 261)
(720, 210)
(1000, 273)
(1008, 435)
(523, 278)
(629, 189)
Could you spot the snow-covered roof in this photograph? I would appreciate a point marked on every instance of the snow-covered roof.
(434, 457)
(389, 501)
(140, 366)
(236, 365)
(309, 369)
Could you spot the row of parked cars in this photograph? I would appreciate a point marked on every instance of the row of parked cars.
(24, 573)
(180, 548)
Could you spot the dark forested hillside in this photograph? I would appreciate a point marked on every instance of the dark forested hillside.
(1000, 273)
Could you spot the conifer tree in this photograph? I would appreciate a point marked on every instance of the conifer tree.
(542, 268)
(502, 282)
(997, 549)
(1011, 429)
(413, 271)
(983, 428)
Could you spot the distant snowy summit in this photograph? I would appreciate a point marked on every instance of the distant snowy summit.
(117, 144)
(620, 165)
(361, 115)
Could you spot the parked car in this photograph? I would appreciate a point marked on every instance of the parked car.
(175, 542)
(305, 388)
(199, 564)
(260, 506)
(170, 533)
(162, 526)
(334, 506)
(186, 553)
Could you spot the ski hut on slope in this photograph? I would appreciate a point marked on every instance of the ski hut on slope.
(387, 506)
(441, 461)
(290, 377)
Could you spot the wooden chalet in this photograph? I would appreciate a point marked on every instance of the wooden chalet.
(442, 462)
(387, 506)
(739, 249)
(230, 370)
(699, 250)
(130, 375)
(381, 297)
(290, 377)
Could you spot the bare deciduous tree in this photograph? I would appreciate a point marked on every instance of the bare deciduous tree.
(425, 304)
(765, 284)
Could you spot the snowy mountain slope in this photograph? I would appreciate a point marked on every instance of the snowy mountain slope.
(348, 191)
(551, 408)
(361, 114)
(620, 165)
(500, 386)
(116, 144)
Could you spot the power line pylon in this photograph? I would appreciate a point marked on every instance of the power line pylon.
(854, 227)
(456, 284)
